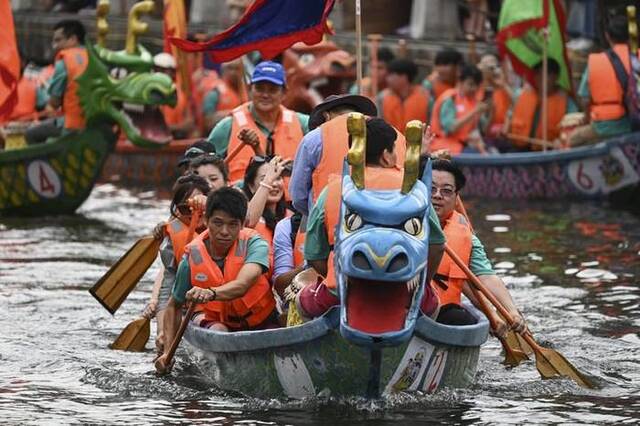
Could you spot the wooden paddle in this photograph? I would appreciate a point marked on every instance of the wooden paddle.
(176, 340)
(513, 353)
(136, 334)
(549, 362)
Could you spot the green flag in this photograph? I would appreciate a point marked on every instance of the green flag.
(520, 36)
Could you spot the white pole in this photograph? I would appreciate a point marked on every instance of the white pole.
(359, 47)
(545, 84)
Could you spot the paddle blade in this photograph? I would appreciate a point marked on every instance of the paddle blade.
(516, 342)
(512, 356)
(551, 364)
(114, 286)
(134, 337)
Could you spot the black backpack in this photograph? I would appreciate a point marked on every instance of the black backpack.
(630, 83)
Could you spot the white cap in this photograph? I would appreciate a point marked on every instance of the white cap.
(164, 60)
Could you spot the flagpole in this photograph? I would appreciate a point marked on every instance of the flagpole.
(545, 83)
(374, 43)
(359, 47)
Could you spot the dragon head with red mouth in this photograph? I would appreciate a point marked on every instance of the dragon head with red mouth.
(381, 250)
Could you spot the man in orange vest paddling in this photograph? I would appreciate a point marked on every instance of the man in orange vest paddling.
(602, 90)
(449, 280)
(224, 269)
(381, 173)
(71, 62)
(263, 123)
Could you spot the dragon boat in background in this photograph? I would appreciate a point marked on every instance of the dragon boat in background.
(607, 170)
(118, 88)
(377, 341)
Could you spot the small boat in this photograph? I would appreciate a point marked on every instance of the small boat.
(56, 177)
(376, 341)
(607, 170)
(314, 359)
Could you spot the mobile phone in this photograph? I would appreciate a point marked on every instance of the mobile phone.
(488, 94)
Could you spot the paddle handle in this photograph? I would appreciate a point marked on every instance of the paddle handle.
(180, 333)
(234, 153)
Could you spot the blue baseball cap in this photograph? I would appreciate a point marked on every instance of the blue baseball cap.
(269, 71)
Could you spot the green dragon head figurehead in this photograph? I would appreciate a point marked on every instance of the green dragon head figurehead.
(121, 87)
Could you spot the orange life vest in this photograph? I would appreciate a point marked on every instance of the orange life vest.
(228, 98)
(244, 312)
(264, 231)
(177, 115)
(27, 98)
(438, 87)
(458, 233)
(286, 137)
(178, 232)
(607, 97)
(75, 62)
(455, 142)
(398, 112)
(298, 246)
(335, 145)
(375, 178)
(501, 102)
(524, 113)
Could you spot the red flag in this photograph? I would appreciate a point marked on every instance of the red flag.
(9, 61)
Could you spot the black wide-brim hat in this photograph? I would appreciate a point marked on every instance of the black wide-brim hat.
(361, 104)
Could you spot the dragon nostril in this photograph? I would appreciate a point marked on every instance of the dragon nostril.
(398, 263)
(360, 261)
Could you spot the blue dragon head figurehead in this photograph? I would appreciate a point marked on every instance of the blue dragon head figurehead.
(381, 246)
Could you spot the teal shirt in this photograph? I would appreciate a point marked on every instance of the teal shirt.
(604, 127)
(316, 244)
(210, 102)
(257, 252)
(221, 133)
(58, 80)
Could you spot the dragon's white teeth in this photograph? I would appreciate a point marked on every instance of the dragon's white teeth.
(133, 107)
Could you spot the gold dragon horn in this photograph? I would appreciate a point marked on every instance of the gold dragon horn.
(357, 128)
(413, 134)
(102, 26)
(135, 26)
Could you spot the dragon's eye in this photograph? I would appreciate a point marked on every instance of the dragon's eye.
(353, 222)
(413, 226)
(119, 73)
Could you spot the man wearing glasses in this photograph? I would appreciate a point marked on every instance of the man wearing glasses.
(263, 123)
(449, 280)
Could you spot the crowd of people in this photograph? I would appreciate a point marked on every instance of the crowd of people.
(263, 177)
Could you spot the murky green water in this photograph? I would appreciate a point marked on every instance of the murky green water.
(573, 269)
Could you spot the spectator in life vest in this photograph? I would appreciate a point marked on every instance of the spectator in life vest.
(267, 127)
(402, 100)
(179, 118)
(445, 74)
(457, 113)
(526, 118)
(321, 152)
(495, 89)
(227, 94)
(385, 57)
(70, 62)
(449, 280)
(224, 270)
(174, 234)
(264, 187)
(381, 173)
(601, 90)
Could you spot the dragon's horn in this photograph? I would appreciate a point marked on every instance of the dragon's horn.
(413, 134)
(102, 10)
(357, 128)
(633, 28)
(135, 27)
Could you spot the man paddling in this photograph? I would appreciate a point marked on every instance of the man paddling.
(223, 270)
(449, 280)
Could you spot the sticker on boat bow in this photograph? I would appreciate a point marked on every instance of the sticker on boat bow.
(43, 179)
(408, 375)
(603, 174)
(434, 373)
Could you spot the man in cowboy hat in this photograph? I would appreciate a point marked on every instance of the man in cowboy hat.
(322, 151)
